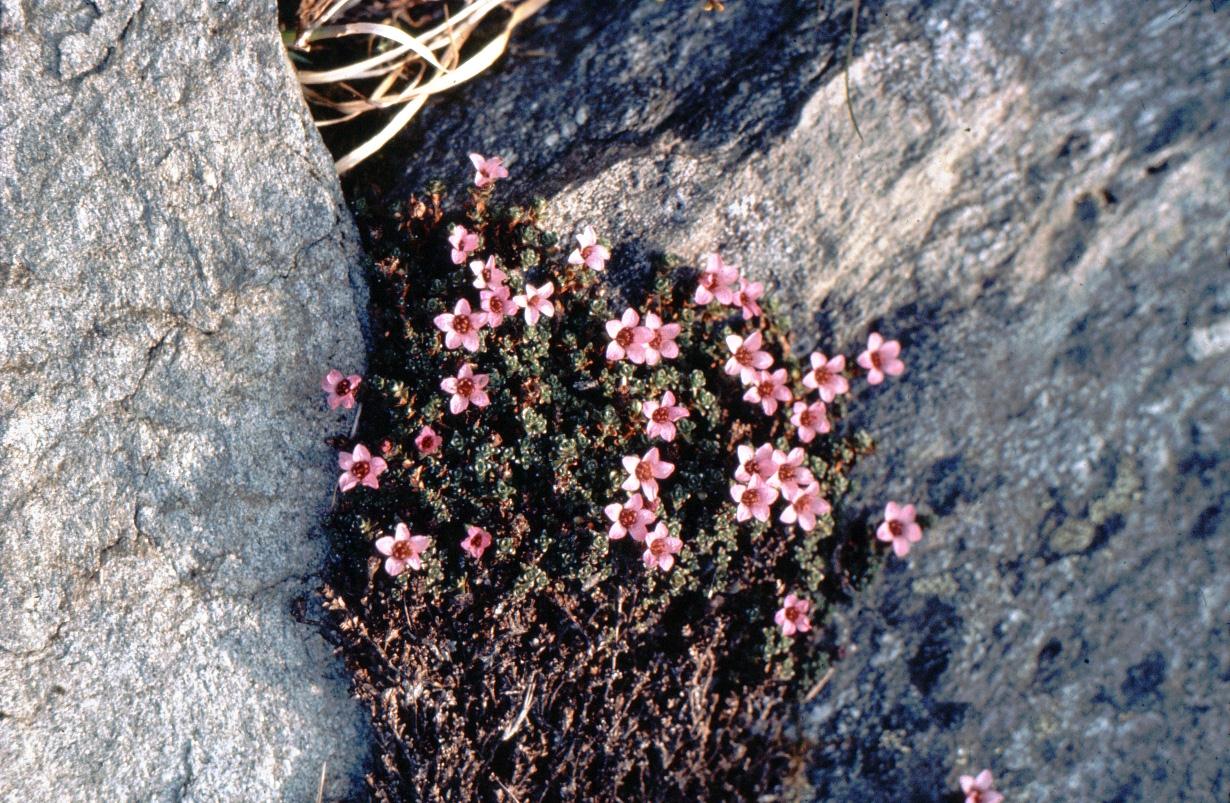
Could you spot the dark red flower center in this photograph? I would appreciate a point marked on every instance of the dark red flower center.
(461, 324)
(643, 472)
(875, 359)
(766, 389)
(624, 337)
(465, 387)
(627, 517)
(895, 527)
(750, 497)
(792, 613)
(743, 356)
(805, 418)
(822, 375)
(495, 304)
(402, 550)
(661, 415)
(785, 473)
(343, 387)
(360, 469)
(658, 547)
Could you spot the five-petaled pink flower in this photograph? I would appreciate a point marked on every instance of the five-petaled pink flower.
(826, 377)
(899, 528)
(536, 301)
(792, 616)
(789, 473)
(402, 549)
(467, 388)
(631, 518)
(747, 357)
(486, 274)
(476, 541)
(804, 506)
(589, 253)
(716, 281)
(660, 339)
(753, 499)
(340, 389)
(769, 388)
(746, 297)
(628, 337)
(496, 303)
(880, 359)
(757, 462)
(427, 441)
(460, 327)
(359, 467)
(662, 416)
(464, 242)
(644, 473)
(488, 170)
(980, 789)
(810, 420)
(661, 548)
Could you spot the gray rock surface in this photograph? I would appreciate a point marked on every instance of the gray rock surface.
(176, 273)
(1039, 209)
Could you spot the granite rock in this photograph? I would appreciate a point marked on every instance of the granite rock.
(1037, 207)
(177, 271)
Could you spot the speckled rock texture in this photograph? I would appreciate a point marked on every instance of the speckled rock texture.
(1039, 208)
(176, 273)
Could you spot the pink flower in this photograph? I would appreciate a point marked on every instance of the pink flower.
(486, 274)
(496, 303)
(660, 339)
(661, 548)
(755, 463)
(899, 528)
(467, 388)
(825, 376)
(590, 253)
(427, 441)
(536, 301)
(804, 507)
(402, 549)
(461, 326)
(746, 297)
(789, 474)
(341, 389)
(630, 518)
(753, 499)
(628, 338)
(463, 242)
(360, 468)
(880, 359)
(980, 789)
(489, 170)
(644, 473)
(792, 616)
(476, 541)
(810, 419)
(768, 389)
(746, 356)
(715, 281)
(662, 416)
